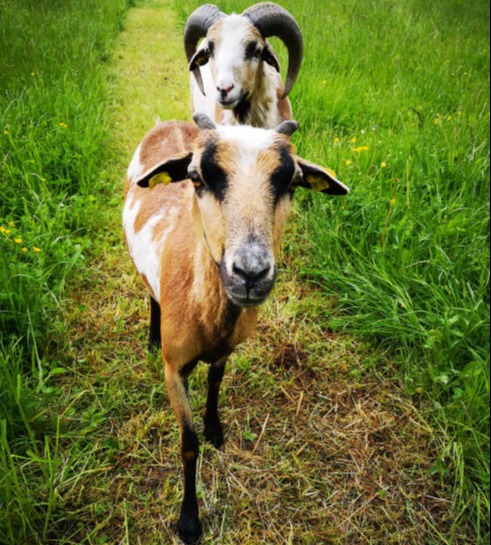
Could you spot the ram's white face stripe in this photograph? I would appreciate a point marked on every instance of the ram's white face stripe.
(230, 57)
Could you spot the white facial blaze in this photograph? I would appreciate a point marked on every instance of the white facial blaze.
(233, 75)
(249, 207)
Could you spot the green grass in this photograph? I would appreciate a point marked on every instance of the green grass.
(53, 140)
(358, 415)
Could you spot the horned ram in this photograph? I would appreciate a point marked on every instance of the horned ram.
(236, 72)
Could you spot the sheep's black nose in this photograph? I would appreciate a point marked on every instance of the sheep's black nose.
(225, 90)
(253, 273)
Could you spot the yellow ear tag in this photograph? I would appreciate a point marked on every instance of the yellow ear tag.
(317, 183)
(160, 178)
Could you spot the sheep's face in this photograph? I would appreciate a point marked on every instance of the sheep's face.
(243, 180)
(236, 52)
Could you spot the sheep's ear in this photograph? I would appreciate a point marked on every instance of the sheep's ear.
(320, 179)
(270, 57)
(200, 58)
(172, 170)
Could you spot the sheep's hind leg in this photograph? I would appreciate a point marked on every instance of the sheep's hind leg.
(211, 419)
(154, 338)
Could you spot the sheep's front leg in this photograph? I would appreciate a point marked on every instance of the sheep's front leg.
(189, 527)
(213, 426)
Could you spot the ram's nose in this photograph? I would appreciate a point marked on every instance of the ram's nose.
(224, 92)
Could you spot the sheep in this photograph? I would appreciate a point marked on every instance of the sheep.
(205, 246)
(236, 71)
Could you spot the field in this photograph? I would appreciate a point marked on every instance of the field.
(359, 414)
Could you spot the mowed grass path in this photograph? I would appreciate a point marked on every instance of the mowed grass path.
(323, 445)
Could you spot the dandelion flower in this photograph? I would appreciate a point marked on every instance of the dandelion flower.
(348, 162)
(337, 140)
(383, 164)
(360, 149)
(11, 224)
(392, 202)
(353, 140)
(6, 132)
(37, 250)
(18, 240)
(25, 250)
(63, 125)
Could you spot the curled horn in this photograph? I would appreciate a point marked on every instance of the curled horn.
(197, 27)
(273, 20)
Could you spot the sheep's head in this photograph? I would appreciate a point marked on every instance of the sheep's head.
(236, 46)
(244, 181)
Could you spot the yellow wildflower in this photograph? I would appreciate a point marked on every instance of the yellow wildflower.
(37, 250)
(6, 132)
(348, 162)
(11, 224)
(63, 125)
(353, 140)
(360, 149)
(383, 164)
(25, 250)
(5, 231)
(392, 202)
(18, 240)
(337, 140)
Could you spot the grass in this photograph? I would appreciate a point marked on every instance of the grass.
(355, 416)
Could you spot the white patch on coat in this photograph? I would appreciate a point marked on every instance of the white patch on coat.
(136, 167)
(250, 142)
(146, 245)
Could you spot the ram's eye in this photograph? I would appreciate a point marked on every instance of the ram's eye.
(253, 50)
(196, 178)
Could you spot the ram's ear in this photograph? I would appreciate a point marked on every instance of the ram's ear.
(171, 170)
(200, 58)
(320, 179)
(270, 57)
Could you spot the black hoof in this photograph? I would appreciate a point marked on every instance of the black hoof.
(214, 433)
(189, 531)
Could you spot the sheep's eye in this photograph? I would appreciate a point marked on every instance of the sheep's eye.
(211, 48)
(253, 51)
(197, 180)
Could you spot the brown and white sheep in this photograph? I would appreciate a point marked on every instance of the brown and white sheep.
(204, 211)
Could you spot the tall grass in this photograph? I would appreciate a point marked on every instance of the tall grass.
(53, 95)
(395, 97)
